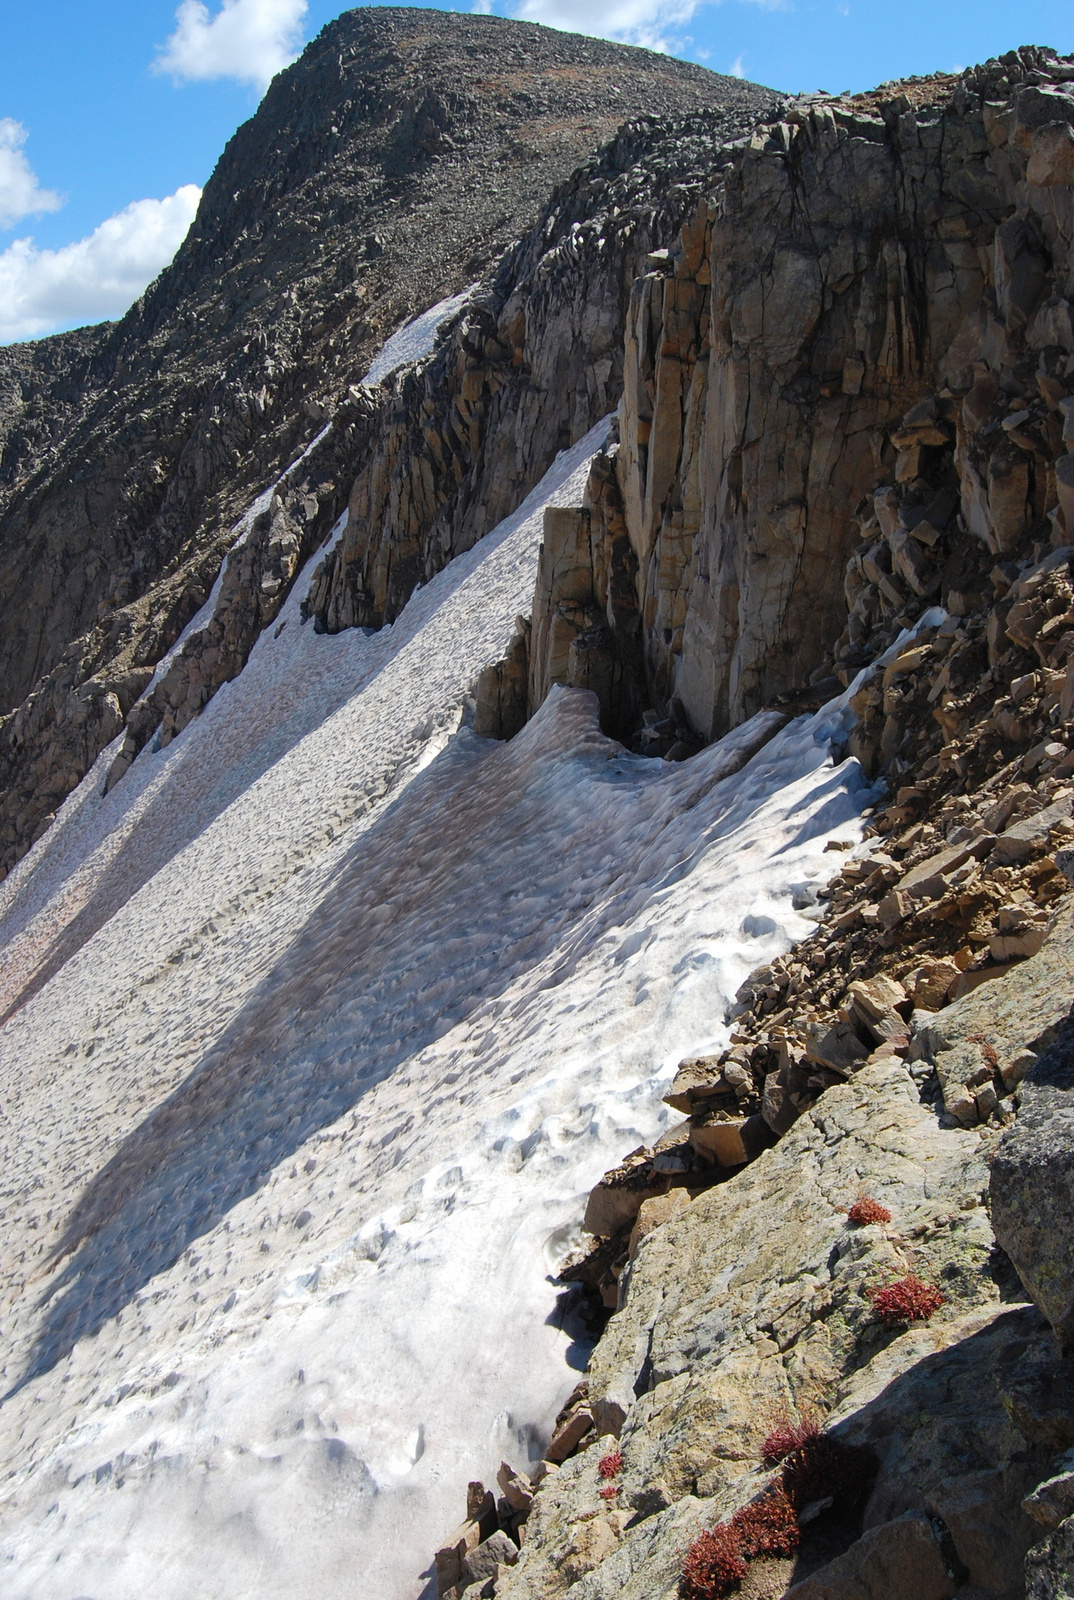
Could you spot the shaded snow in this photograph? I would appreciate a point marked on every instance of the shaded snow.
(349, 1008)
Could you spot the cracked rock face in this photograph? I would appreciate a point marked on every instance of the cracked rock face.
(840, 350)
(752, 1303)
(808, 304)
(388, 168)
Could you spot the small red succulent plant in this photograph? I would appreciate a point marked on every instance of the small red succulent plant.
(717, 1561)
(768, 1527)
(905, 1300)
(713, 1565)
(865, 1210)
(817, 1469)
(787, 1436)
(611, 1465)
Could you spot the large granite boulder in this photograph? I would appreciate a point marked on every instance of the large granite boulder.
(1032, 1187)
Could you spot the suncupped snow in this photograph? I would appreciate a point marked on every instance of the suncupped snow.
(354, 1008)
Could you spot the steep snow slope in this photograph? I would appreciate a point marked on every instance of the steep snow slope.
(292, 1140)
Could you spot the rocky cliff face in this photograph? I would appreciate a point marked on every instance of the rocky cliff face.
(534, 362)
(861, 257)
(383, 171)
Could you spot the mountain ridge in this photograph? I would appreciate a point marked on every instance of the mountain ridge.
(385, 169)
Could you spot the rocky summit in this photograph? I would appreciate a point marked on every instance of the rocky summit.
(539, 815)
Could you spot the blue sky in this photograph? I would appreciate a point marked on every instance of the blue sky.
(88, 114)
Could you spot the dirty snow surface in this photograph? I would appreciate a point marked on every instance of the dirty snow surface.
(335, 1012)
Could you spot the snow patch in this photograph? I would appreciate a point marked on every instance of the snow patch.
(417, 339)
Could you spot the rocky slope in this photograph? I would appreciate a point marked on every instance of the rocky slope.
(386, 169)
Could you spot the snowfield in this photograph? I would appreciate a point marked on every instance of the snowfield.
(326, 1019)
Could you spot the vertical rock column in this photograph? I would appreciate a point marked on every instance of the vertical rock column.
(835, 274)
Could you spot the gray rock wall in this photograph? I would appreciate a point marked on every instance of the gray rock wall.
(859, 257)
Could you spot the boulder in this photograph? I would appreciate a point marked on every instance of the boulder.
(901, 1560)
(926, 880)
(932, 983)
(1053, 1500)
(778, 1109)
(1049, 1565)
(870, 1008)
(655, 1212)
(481, 1507)
(895, 908)
(838, 1048)
(721, 1142)
(570, 1432)
(453, 1552)
(1020, 840)
(696, 1080)
(483, 1561)
(1017, 943)
(1032, 1187)
(876, 998)
(614, 1206)
(515, 1487)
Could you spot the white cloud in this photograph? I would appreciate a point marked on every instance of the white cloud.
(20, 193)
(98, 277)
(654, 23)
(645, 22)
(250, 40)
(736, 69)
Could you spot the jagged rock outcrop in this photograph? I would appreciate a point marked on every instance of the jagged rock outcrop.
(861, 302)
(533, 363)
(386, 169)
